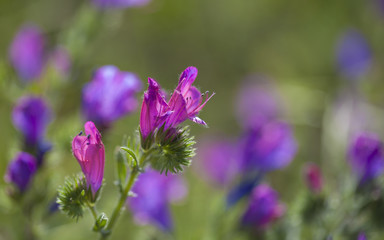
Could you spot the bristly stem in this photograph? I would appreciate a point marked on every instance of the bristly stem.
(123, 197)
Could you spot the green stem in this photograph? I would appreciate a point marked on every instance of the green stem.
(123, 197)
(93, 211)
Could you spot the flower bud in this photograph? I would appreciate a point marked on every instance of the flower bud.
(89, 152)
(313, 177)
(21, 171)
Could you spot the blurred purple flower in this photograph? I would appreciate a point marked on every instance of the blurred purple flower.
(186, 102)
(89, 152)
(362, 236)
(110, 95)
(313, 177)
(120, 3)
(27, 52)
(61, 60)
(354, 56)
(366, 157)
(21, 170)
(257, 103)
(263, 208)
(154, 193)
(270, 147)
(217, 159)
(31, 116)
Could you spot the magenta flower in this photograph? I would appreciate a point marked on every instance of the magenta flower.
(155, 192)
(313, 177)
(263, 208)
(366, 157)
(110, 95)
(21, 171)
(270, 147)
(185, 103)
(362, 236)
(31, 116)
(61, 60)
(89, 152)
(120, 3)
(27, 52)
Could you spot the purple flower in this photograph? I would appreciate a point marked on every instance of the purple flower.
(186, 102)
(270, 147)
(61, 60)
(354, 56)
(263, 208)
(21, 170)
(89, 152)
(120, 3)
(366, 157)
(257, 103)
(154, 193)
(110, 95)
(31, 116)
(313, 177)
(217, 159)
(27, 52)
(362, 236)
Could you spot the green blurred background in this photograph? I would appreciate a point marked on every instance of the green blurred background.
(292, 42)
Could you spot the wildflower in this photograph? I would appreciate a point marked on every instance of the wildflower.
(263, 208)
(31, 116)
(110, 95)
(366, 157)
(154, 193)
(313, 177)
(120, 3)
(27, 52)
(354, 56)
(89, 152)
(61, 60)
(185, 103)
(21, 171)
(269, 147)
(217, 159)
(362, 236)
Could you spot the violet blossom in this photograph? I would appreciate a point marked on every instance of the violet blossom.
(110, 95)
(61, 60)
(30, 116)
(263, 208)
(354, 55)
(90, 153)
(270, 147)
(366, 157)
(313, 177)
(21, 170)
(362, 236)
(27, 53)
(155, 191)
(185, 103)
(106, 4)
(217, 159)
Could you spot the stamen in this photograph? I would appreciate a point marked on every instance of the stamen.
(81, 133)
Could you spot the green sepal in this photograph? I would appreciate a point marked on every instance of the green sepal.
(74, 195)
(100, 222)
(173, 150)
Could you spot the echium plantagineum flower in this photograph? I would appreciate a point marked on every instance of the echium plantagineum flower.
(257, 102)
(313, 177)
(61, 60)
(366, 157)
(90, 153)
(185, 103)
(155, 192)
(269, 147)
(110, 95)
(217, 159)
(354, 57)
(263, 208)
(27, 53)
(30, 116)
(106, 4)
(21, 171)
